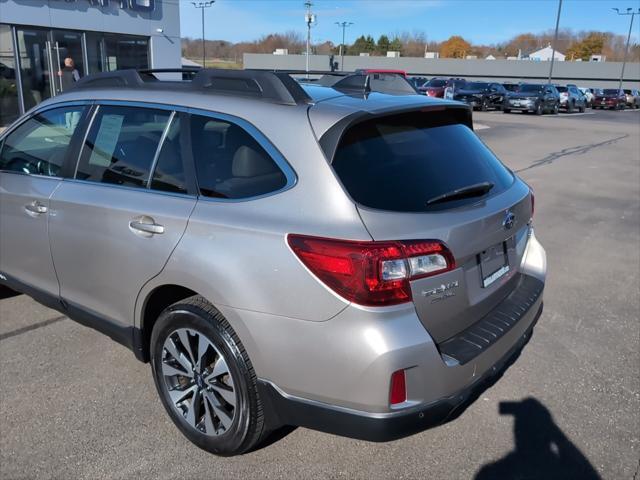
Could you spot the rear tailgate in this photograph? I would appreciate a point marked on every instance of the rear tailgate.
(450, 302)
(406, 172)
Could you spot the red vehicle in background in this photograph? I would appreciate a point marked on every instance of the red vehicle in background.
(610, 98)
(437, 85)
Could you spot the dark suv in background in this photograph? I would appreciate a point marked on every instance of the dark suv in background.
(482, 95)
(537, 98)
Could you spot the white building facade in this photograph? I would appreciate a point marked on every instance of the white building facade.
(99, 35)
(544, 54)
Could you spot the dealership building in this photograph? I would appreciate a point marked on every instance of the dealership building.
(36, 36)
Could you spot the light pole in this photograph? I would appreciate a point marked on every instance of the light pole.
(309, 19)
(555, 41)
(344, 26)
(626, 48)
(202, 6)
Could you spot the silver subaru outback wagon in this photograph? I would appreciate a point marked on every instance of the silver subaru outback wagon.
(342, 255)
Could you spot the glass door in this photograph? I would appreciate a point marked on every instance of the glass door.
(35, 65)
(68, 61)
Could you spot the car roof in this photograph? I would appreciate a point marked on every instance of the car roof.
(333, 104)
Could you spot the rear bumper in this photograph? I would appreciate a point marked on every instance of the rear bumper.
(283, 409)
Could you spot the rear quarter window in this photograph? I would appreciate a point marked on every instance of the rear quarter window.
(400, 162)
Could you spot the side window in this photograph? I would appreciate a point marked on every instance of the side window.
(230, 163)
(168, 175)
(40, 144)
(121, 145)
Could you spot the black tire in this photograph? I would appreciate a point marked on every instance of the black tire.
(582, 109)
(484, 106)
(556, 109)
(539, 110)
(506, 110)
(570, 107)
(247, 427)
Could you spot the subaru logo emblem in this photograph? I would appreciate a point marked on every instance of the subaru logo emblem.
(509, 220)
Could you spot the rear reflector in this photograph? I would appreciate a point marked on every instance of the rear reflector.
(398, 391)
(371, 273)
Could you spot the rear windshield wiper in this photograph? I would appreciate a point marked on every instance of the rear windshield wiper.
(475, 190)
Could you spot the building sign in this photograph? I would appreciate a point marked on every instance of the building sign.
(136, 5)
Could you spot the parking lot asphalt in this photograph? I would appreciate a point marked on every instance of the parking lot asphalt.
(73, 404)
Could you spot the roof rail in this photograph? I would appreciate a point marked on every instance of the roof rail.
(263, 84)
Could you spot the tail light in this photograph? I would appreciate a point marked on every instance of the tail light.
(398, 390)
(371, 273)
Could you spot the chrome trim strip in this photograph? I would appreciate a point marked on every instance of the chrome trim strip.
(127, 188)
(84, 140)
(159, 148)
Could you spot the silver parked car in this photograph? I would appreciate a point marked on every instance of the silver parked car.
(332, 257)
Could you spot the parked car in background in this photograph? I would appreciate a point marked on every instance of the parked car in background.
(571, 98)
(453, 86)
(482, 95)
(633, 98)
(511, 87)
(536, 98)
(588, 94)
(611, 98)
(436, 86)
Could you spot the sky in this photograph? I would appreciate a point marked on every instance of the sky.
(479, 21)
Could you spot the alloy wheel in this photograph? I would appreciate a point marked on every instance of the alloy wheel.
(198, 381)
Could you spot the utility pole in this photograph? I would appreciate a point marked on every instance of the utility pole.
(310, 19)
(631, 13)
(344, 26)
(202, 6)
(555, 41)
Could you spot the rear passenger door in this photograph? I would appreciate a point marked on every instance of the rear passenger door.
(118, 220)
(32, 158)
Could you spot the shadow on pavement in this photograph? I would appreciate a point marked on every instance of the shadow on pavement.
(542, 451)
(6, 292)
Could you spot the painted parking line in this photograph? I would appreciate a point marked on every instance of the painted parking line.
(480, 126)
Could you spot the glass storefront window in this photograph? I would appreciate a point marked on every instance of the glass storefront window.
(95, 52)
(9, 106)
(34, 56)
(124, 51)
(51, 60)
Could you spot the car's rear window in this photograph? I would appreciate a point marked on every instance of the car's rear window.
(562, 89)
(610, 91)
(436, 83)
(400, 162)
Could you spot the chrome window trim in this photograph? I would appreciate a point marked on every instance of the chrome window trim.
(84, 139)
(163, 137)
(28, 116)
(142, 190)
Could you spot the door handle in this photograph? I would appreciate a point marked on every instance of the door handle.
(146, 226)
(35, 208)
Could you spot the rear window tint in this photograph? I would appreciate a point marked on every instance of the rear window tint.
(400, 162)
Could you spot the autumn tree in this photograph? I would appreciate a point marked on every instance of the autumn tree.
(455, 47)
(592, 44)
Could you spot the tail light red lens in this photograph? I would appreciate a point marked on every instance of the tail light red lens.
(398, 390)
(371, 273)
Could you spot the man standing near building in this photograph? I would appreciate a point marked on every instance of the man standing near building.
(68, 75)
